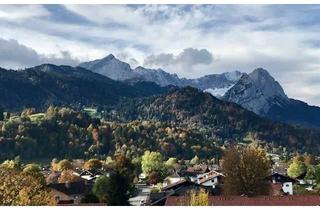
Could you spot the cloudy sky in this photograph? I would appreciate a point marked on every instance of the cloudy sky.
(191, 40)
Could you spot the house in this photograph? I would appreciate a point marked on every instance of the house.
(209, 179)
(181, 188)
(142, 178)
(295, 200)
(285, 181)
(90, 175)
(193, 171)
(70, 192)
(172, 179)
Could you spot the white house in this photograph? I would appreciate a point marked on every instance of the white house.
(209, 179)
(90, 174)
(285, 181)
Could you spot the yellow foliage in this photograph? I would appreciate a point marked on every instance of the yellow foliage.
(68, 176)
(200, 198)
(23, 190)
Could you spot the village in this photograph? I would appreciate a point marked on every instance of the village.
(175, 188)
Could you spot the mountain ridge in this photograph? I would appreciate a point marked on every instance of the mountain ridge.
(48, 84)
(257, 91)
(191, 108)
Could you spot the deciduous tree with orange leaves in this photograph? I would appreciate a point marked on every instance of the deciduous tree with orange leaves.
(246, 171)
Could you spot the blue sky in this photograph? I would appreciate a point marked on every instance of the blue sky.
(191, 40)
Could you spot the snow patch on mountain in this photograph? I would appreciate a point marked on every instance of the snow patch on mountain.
(110, 66)
(218, 92)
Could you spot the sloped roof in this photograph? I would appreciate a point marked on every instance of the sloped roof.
(175, 185)
(282, 178)
(201, 168)
(92, 172)
(209, 176)
(293, 200)
(72, 188)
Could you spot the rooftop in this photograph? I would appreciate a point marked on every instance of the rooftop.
(72, 188)
(293, 200)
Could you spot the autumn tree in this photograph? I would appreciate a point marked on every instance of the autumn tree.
(195, 160)
(54, 164)
(310, 173)
(171, 163)
(296, 168)
(61, 165)
(68, 176)
(199, 198)
(65, 165)
(152, 161)
(246, 171)
(309, 160)
(18, 188)
(34, 171)
(154, 178)
(92, 164)
(12, 164)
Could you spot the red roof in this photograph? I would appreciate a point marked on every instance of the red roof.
(293, 200)
(201, 168)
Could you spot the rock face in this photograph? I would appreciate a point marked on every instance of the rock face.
(158, 76)
(257, 92)
(215, 84)
(111, 67)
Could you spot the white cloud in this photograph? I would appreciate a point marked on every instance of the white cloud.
(184, 62)
(15, 55)
(242, 37)
(21, 12)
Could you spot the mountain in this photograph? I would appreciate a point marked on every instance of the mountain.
(110, 66)
(261, 93)
(193, 109)
(48, 84)
(256, 91)
(215, 84)
(158, 76)
(295, 112)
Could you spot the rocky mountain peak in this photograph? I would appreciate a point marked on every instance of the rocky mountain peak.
(256, 91)
(109, 57)
(268, 85)
(111, 67)
(233, 75)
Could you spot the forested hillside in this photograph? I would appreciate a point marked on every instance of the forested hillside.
(182, 124)
(191, 108)
(44, 85)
